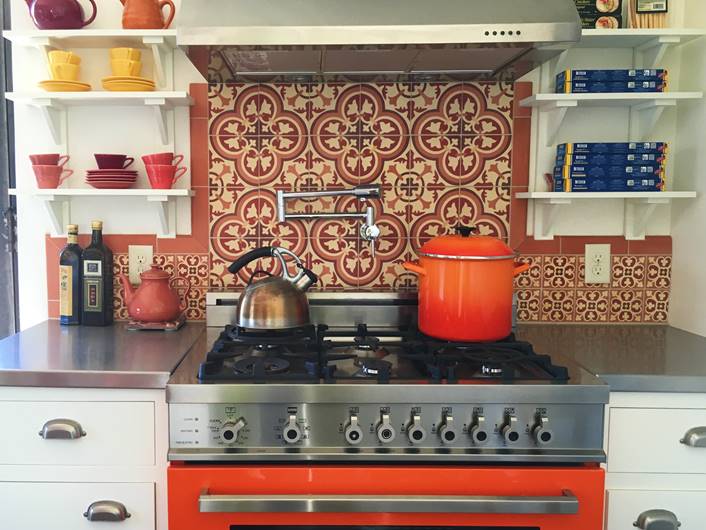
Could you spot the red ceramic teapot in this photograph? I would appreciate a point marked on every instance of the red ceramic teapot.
(59, 14)
(155, 300)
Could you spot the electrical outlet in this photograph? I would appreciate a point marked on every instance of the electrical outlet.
(139, 260)
(598, 264)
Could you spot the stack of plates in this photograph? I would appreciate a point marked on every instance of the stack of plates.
(52, 85)
(111, 179)
(128, 83)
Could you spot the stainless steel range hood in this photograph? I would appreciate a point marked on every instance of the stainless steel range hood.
(482, 38)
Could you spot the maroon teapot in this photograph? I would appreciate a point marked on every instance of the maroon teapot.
(59, 14)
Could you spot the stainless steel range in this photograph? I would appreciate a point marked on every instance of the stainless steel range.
(361, 384)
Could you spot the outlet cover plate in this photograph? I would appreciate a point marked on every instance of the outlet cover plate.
(139, 260)
(598, 264)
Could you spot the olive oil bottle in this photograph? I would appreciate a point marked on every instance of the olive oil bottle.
(97, 271)
(70, 280)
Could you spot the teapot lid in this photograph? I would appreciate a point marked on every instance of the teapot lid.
(155, 273)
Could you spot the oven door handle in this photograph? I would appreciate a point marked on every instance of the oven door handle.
(566, 504)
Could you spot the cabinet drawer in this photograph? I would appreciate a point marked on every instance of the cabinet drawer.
(116, 433)
(625, 506)
(60, 506)
(648, 441)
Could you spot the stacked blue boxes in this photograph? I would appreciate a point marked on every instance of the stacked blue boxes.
(610, 81)
(583, 167)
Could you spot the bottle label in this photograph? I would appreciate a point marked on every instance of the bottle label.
(93, 268)
(66, 308)
(93, 295)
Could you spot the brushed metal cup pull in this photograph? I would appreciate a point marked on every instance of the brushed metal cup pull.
(106, 512)
(62, 429)
(657, 520)
(695, 437)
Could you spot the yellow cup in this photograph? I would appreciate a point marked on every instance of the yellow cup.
(65, 72)
(60, 56)
(126, 68)
(125, 54)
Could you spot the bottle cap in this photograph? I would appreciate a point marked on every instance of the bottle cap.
(72, 229)
(96, 225)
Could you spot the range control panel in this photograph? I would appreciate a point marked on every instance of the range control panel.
(492, 426)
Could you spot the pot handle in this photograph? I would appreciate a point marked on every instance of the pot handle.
(520, 268)
(242, 261)
(415, 267)
(183, 301)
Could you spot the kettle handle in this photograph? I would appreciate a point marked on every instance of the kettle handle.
(93, 16)
(242, 261)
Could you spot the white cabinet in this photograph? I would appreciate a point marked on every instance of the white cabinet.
(114, 434)
(649, 441)
(61, 506)
(624, 507)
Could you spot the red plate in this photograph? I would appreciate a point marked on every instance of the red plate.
(131, 179)
(111, 171)
(111, 185)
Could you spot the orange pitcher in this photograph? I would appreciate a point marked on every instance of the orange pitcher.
(147, 14)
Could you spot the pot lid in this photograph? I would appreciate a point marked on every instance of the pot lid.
(464, 245)
(155, 273)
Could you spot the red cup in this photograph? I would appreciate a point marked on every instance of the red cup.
(168, 159)
(163, 177)
(113, 161)
(49, 160)
(50, 177)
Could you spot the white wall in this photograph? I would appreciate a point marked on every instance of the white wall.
(688, 302)
(91, 130)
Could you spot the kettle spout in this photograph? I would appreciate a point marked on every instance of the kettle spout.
(306, 280)
(127, 287)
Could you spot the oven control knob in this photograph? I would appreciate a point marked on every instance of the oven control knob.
(447, 431)
(353, 432)
(509, 429)
(385, 430)
(415, 431)
(230, 430)
(292, 433)
(478, 433)
(541, 432)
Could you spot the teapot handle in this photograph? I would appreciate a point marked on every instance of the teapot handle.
(183, 302)
(93, 16)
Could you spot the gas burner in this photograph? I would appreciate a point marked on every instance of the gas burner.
(266, 365)
(371, 367)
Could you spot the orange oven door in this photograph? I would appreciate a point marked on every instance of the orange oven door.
(228, 497)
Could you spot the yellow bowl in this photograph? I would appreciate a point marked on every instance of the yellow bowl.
(126, 68)
(125, 54)
(60, 56)
(65, 72)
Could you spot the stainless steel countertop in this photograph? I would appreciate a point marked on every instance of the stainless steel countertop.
(95, 357)
(631, 358)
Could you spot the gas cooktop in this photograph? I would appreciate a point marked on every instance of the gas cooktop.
(319, 354)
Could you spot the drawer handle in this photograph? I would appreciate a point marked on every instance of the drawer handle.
(62, 429)
(657, 520)
(107, 512)
(695, 437)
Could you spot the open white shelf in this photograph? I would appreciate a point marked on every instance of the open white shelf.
(639, 206)
(57, 203)
(161, 42)
(651, 105)
(53, 106)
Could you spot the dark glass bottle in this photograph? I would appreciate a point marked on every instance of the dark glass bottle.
(70, 280)
(97, 262)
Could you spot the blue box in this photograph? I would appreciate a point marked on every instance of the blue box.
(611, 87)
(608, 172)
(608, 159)
(611, 148)
(568, 76)
(613, 185)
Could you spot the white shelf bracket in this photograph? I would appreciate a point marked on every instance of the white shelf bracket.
(58, 211)
(161, 114)
(637, 214)
(652, 112)
(654, 50)
(545, 214)
(555, 118)
(55, 117)
(166, 211)
(160, 54)
(562, 62)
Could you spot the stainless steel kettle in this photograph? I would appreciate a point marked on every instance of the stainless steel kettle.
(275, 302)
